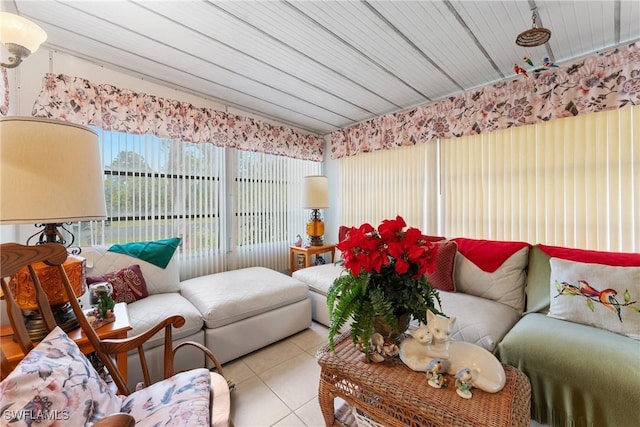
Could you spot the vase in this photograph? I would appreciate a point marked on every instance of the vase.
(381, 326)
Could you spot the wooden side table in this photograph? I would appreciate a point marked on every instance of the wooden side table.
(393, 395)
(307, 252)
(115, 329)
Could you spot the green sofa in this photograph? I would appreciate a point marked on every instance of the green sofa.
(580, 375)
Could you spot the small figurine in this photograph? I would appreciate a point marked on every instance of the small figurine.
(435, 370)
(381, 349)
(463, 383)
(298, 242)
(519, 70)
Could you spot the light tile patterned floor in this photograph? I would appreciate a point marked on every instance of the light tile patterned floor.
(278, 385)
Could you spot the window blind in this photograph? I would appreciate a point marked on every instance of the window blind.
(568, 182)
(267, 207)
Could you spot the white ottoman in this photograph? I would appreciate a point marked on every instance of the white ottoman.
(319, 278)
(246, 309)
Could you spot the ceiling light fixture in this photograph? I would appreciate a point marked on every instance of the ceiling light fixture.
(20, 37)
(535, 36)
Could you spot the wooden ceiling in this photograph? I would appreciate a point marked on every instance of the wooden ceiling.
(324, 65)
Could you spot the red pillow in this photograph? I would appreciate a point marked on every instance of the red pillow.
(488, 255)
(442, 276)
(616, 259)
(342, 232)
(128, 284)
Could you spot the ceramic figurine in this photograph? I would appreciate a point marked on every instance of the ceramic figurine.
(463, 383)
(298, 241)
(427, 342)
(433, 341)
(381, 349)
(435, 373)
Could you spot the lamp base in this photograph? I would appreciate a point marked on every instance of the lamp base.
(63, 314)
(315, 228)
(316, 241)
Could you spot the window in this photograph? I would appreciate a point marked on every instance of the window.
(157, 188)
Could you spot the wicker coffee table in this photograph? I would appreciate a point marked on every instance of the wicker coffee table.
(393, 395)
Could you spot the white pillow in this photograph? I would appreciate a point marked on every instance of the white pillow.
(504, 285)
(159, 280)
(603, 296)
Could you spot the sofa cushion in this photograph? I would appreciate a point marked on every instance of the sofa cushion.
(128, 283)
(228, 297)
(492, 269)
(181, 400)
(580, 375)
(443, 277)
(479, 321)
(55, 385)
(598, 295)
(159, 280)
(149, 311)
(319, 278)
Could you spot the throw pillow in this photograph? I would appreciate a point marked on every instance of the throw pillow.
(157, 252)
(55, 385)
(604, 296)
(492, 269)
(128, 283)
(443, 276)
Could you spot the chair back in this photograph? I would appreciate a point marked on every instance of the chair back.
(14, 257)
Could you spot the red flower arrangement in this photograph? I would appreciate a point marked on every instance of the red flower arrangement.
(368, 250)
(384, 277)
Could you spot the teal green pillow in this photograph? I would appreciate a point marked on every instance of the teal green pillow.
(157, 252)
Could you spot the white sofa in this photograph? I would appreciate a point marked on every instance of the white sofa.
(486, 306)
(232, 313)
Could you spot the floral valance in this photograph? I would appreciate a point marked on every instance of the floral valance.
(600, 82)
(79, 101)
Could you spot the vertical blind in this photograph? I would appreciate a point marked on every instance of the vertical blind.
(267, 208)
(570, 182)
(385, 183)
(231, 208)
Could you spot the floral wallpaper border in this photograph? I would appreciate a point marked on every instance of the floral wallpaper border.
(604, 81)
(78, 100)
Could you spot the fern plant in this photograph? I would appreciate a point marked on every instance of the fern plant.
(384, 277)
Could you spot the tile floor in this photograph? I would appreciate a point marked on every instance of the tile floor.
(278, 385)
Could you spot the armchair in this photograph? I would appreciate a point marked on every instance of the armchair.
(55, 381)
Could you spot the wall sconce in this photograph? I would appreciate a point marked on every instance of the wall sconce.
(315, 197)
(20, 37)
(50, 174)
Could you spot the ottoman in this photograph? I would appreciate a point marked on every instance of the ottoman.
(246, 309)
(319, 278)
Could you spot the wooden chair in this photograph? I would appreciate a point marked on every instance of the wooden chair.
(14, 257)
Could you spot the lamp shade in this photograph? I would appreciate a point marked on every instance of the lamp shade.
(316, 192)
(50, 172)
(18, 30)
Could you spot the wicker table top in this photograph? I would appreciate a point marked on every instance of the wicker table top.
(394, 395)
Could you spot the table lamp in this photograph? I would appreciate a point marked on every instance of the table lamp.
(50, 174)
(315, 197)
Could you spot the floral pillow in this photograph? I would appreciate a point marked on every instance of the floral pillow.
(128, 283)
(55, 385)
(604, 296)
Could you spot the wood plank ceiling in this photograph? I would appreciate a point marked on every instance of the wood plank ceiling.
(324, 65)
